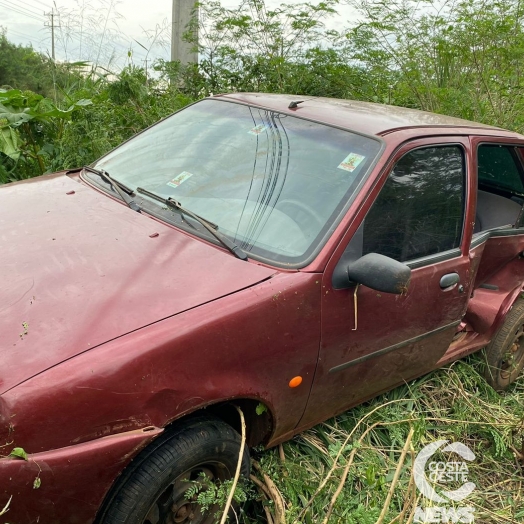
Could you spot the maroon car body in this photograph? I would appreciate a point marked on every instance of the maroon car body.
(116, 325)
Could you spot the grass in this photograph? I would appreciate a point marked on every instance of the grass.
(374, 445)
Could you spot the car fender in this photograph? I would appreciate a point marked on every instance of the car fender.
(248, 345)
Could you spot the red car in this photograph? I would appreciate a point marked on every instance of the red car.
(291, 258)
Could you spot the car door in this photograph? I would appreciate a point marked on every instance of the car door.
(372, 341)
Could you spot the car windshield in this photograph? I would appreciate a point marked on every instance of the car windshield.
(274, 183)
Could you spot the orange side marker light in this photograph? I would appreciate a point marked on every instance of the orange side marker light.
(295, 382)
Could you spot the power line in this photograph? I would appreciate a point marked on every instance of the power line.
(137, 53)
(22, 8)
(74, 37)
(19, 33)
(40, 4)
(20, 12)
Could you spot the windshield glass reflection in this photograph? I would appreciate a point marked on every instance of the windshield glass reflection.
(274, 183)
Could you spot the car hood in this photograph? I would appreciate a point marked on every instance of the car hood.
(79, 268)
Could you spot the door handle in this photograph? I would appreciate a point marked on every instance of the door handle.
(449, 280)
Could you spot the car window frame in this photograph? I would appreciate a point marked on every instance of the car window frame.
(431, 143)
(402, 149)
(518, 144)
(465, 181)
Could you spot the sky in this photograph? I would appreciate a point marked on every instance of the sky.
(131, 25)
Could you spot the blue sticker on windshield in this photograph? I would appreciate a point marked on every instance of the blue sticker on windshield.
(351, 162)
(180, 179)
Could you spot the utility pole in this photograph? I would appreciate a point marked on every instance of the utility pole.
(51, 24)
(184, 12)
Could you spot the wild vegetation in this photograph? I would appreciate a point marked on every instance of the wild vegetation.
(357, 468)
(462, 58)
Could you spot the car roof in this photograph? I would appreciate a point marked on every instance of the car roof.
(364, 117)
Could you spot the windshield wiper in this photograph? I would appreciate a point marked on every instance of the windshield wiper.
(120, 188)
(212, 228)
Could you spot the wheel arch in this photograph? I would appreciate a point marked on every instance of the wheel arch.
(510, 300)
(259, 428)
(259, 425)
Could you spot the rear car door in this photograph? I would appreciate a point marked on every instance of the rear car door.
(372, 341)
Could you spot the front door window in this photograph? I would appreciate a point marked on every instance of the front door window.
(420, 209)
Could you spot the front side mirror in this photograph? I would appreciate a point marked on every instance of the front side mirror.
(380, 273)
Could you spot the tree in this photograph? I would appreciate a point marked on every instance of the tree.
(458, 58)
(254, 48)
(21, 67)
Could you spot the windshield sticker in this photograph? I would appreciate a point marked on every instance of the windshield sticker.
(257, 130)
(180, 179)
(351, 162)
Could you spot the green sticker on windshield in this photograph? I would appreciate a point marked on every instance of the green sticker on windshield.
(257, 130)
(180, 179)
(351, 162)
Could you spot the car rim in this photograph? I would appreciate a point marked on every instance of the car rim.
(512, 361)
(174, 507)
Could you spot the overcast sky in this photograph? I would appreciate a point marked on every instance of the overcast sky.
(130, 24)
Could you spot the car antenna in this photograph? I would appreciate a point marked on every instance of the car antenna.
(294, 103)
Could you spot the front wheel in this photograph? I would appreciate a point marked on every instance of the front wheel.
(154, 489)
(505, 353)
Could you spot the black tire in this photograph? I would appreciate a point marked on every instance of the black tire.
(152, 490)
(505, 353)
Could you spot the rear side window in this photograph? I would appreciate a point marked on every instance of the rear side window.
(420, 210)
(497, 167)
